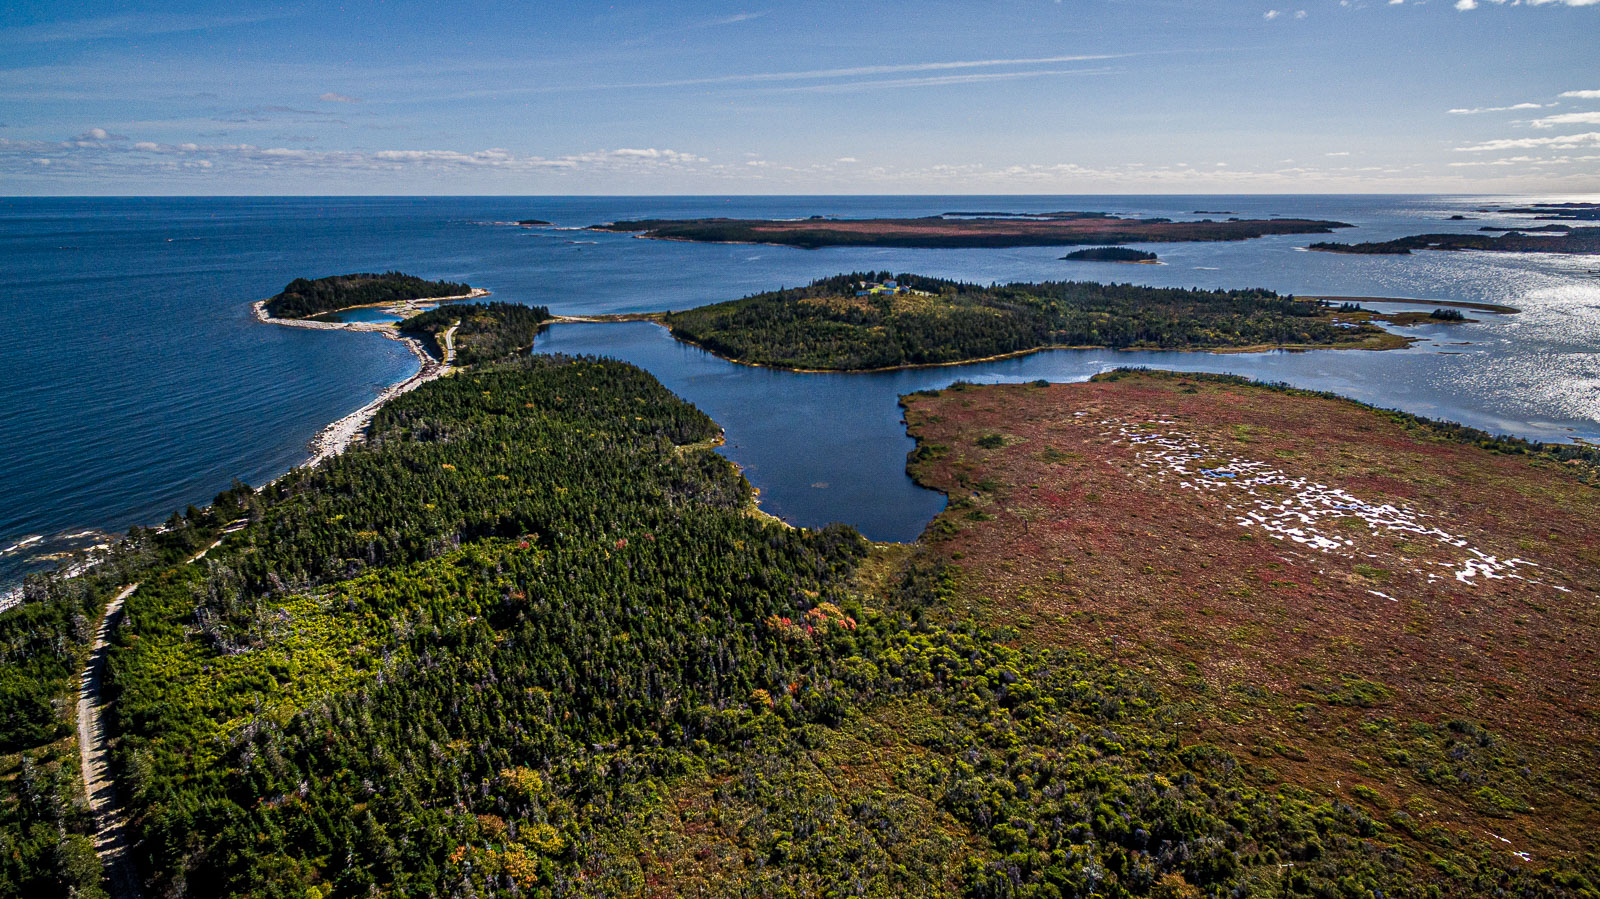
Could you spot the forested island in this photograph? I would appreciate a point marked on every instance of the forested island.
(530, 640)
(838, 324)
(303, 298)
(965, 229)
(1112, 254)
(1574, 240)
(483, 331)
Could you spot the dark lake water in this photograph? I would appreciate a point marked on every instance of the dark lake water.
(137, 381)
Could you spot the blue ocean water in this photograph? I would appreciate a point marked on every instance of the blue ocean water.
(138, 382)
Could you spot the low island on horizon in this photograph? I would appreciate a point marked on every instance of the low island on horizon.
(965, 229)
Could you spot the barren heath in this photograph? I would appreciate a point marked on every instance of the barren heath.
(1354, 603)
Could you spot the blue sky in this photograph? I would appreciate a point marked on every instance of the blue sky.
(1000, 96)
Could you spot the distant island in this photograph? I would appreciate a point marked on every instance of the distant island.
(876, 320)
(532, 222)
(1577, 240)
(963, 229)
(1577, 212)
(482, 332)
(1112, 254)
(303, 298)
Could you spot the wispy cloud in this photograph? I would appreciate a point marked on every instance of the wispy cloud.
(934, 80)
(1465, 5)
(200, 167)
(1587, 139)
(762, 78)
(98, 154)
(331, 97)
(1582, 95)
(1567, 118)
(729, 20)
(1530, 161)
(276, 114)
(122, 26)
(1478, 110)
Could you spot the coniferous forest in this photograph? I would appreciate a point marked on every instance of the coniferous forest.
(841, 324)
(484, 331)
(303, 297)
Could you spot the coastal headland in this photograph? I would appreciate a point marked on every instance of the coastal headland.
(334, 438)
(1571, 240)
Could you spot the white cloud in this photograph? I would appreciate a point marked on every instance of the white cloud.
(1582, 95)
(108, 157)
(929, 81)
(1271, 14)
(1473, 4)
(1300, 14)
(1567, 118)
(1526, 160)
(331, 97)
(1478, 110)
(97, 135)
(1588, 139)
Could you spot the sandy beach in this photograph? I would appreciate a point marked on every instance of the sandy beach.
(336, 437)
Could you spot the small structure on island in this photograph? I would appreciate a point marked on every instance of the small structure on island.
(874, 288)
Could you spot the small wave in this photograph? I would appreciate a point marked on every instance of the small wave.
(1207, 268)
(24, 543)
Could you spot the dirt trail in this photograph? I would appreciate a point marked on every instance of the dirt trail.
(111, 823)
(111, 841)
(450, 345)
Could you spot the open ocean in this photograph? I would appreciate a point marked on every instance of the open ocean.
(137, 382)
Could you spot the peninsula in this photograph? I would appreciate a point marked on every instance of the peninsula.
(976, 229)
(876, 320)
(1576, 240)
